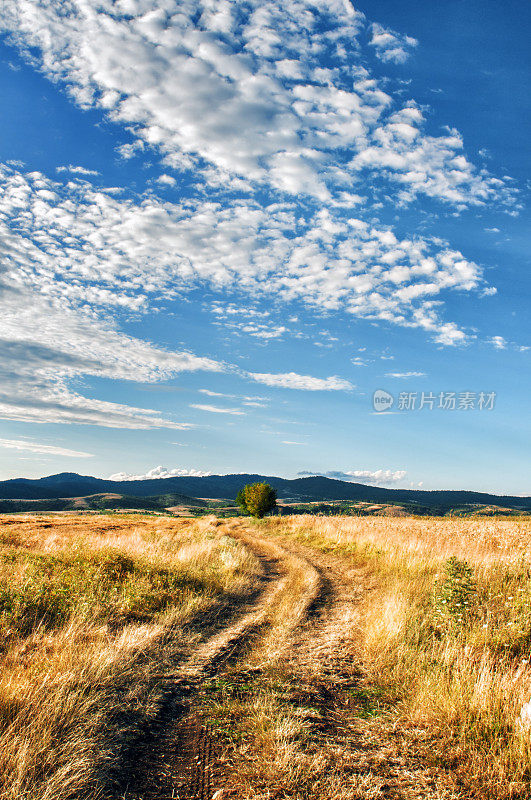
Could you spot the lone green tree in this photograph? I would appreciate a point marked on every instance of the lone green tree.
(257, 499)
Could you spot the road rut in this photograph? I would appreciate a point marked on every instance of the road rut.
(304, 623)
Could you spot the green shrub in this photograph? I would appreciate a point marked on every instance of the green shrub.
(455, 596)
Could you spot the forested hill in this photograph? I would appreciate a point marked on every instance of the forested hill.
(70, 484)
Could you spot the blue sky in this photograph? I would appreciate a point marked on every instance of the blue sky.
(226, 225)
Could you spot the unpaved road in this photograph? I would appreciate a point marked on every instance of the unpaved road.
(305, 618)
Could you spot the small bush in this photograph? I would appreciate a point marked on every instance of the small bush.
(456, 595)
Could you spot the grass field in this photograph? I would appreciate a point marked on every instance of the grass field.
(88, 608)
(384, 641)
(443, 641)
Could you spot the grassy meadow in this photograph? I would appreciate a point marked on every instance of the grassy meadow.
(444, 634)
(436, 647)
(91, 607)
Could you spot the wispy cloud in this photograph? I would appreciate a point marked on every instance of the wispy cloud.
(77, 170)
(167, 180)
(405, 374)
(292, 380)
(499, 342)
(217, 409)
(42, 449)
(390, 45)
(210, 393)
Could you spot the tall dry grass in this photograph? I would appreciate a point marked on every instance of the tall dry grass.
(445, 631)
(93, 610)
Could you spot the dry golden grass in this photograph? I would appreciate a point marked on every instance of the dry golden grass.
(414, 688)
(475, 539)
(421, 628)
(287, 712)
(451, 653)
(90, 609)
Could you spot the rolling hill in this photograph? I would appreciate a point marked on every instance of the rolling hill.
(71, 485)
(100, 502)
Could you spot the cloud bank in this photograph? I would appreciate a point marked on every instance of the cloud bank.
(281, 135)
(159, 472)
(270, 93)
(76, 258)
(378, 477)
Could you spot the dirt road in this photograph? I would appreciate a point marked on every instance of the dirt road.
(302, 626)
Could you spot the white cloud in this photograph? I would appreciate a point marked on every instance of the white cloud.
(385, 477)
(218, 409)
(292, 380)
(498, 342)
(264, 332)
(58, 300)
(271, 96)
(210, 393)
(159, 472)
(77, 170)
(297, 443)
(75, 258)
(44, 347)
(168, 180)
(43, 449)
(230, 309)
(73, 255)
(405, 374)
(276, 94)
(34, 393)
(129, 150)
(390, 45)
(253, 323)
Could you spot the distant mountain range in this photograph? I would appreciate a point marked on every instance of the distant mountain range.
(70, 484)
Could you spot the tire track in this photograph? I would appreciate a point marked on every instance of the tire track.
(364, 752)
(173, 758)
